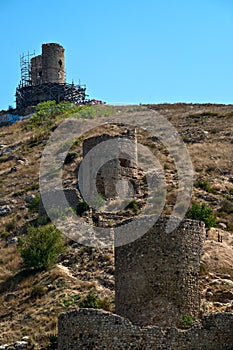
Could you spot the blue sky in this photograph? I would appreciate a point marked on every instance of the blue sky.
(129, 51)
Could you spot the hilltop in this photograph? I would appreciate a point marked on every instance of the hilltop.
(31, 302)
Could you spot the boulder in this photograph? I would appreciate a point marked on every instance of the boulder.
(4, 210)
(19, 345)
(222, 225)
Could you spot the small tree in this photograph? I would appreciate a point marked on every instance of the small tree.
(203, 213)
(41, 247)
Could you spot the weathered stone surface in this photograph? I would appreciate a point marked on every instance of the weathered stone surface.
(94, 329)
(156, 284)
(122, 165)
(156, 276)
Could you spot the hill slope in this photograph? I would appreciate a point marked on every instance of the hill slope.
(31, 302)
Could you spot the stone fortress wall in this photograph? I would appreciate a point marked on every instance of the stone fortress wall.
(156, 284)
(90, 329)
(156, 279)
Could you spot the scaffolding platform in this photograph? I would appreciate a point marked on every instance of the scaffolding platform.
(31, 95)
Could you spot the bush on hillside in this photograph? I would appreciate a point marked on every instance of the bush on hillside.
(203, 213)
(82, 206)
(34, 204)
(40, 248)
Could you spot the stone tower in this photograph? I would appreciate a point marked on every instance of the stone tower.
(123, 165)
(156, 276)
(49, 67)
(53, 63)
(36, 70)
(43, 79)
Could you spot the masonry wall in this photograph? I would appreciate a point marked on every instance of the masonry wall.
(97, 330)
(36, 70)
(53, 63)
(124, 165)
(156, 276)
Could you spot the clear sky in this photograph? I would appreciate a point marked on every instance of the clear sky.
(126, 51)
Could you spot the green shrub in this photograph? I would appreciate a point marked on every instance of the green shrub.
(203, 213)
(133, 205)
(204, 185)
(71, 300)
(187, 321)
(32, 187)
(34, 204)
(82, 207)
(90, 301)
(50, 112)
(5, 234)
(43, 220)
(40, 248)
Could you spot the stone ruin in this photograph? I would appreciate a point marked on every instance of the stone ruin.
(156, 284)
(123, 148)
(156, 280)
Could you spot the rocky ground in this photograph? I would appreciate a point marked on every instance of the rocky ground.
(31, 302)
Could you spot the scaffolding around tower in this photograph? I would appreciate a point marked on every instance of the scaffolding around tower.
(25, 69)
(43, 79)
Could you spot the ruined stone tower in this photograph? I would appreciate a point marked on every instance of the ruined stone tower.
(122, 163)
(156, 276)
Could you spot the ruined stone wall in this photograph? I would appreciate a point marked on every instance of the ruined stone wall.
(122, 166)
(156, 276)
(97, 330)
